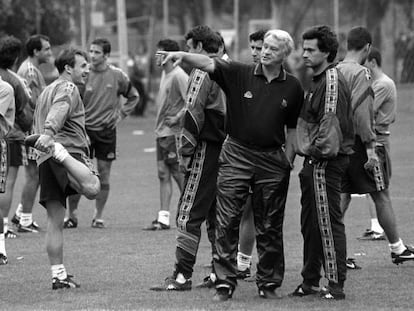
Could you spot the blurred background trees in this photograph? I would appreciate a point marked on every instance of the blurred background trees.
(23, 18)
(79, 21)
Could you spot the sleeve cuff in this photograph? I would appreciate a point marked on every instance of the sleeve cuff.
(49, 132)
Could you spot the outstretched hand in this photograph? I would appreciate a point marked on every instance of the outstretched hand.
(175, 57)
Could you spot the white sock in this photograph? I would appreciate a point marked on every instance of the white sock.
(180, 278)
(59, 271)
(213, 277)
(243, 261)
(19, 210)
(59, 152)
(5, 224)
(2, 244)
(164, 217)
(375, 226)
(397, 247)
(26, 219)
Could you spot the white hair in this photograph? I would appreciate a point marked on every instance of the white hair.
(282, 36)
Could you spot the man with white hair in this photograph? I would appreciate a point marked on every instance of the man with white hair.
(263, 101)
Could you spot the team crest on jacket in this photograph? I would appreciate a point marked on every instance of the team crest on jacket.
(284, 103)
(69, 88)
(248, 95)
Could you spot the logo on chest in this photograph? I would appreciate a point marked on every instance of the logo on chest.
(248, 95)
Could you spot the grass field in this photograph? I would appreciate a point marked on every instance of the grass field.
(117, 265)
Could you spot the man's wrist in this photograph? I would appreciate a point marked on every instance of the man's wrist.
(49, 132)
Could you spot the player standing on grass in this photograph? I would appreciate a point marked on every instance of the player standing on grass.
(200, 144)
(10, 48)
(171, 103)
(39, 51)
(7, 115)
(104, 109)
(368, 171)
(385, 110)
(325, 137)
(64, 169)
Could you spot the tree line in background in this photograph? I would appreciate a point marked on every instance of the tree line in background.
(57, 18)
(60, 19)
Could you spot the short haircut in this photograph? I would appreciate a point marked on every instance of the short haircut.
(374, 53)
(10, 48)
(104, 44)
(327, 40)
(168, 45)
(68, 57)
(257, 35)
(358, 37)
(283, 36)
(208, 38)
(35, 43)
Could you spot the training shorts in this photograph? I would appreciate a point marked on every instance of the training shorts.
(358, 180)
(16, 153)
(167, 149)
(54, 180)
(102, 144)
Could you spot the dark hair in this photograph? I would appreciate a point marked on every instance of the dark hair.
(374, 53)
(257, 35)
(358, 37)
(35, 43)
(204, 34)
(327, 40)
(67, 57)
(222, 43)
(10, 48)
(104, 44)
(168, 45)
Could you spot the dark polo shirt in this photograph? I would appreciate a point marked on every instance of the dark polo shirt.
(258, 111)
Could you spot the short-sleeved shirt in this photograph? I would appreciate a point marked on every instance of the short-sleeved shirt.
(33, 78)
(23, 116)
(102, 97)
(7, 108)
(385, 106)
(359, 82)
(170, 100)
(258, 111)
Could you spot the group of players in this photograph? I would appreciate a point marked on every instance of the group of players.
(243, 124)
(70, 121)
(228, 134)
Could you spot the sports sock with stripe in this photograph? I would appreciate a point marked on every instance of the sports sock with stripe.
(243, 261)
(59, 271)
(19, 210)
(26, 219)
